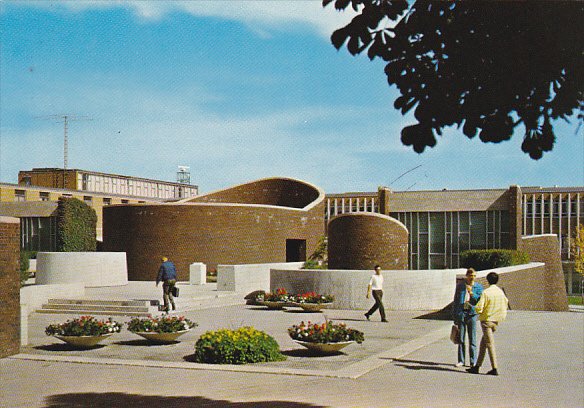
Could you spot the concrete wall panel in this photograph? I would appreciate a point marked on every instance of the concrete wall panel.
(93, 269)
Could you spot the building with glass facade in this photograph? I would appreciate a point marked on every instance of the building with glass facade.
(443, 223)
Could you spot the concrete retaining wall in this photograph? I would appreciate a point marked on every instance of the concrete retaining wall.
(93, 269)
(249, 277)
(32, 297)
(403, 290)
(525, 286)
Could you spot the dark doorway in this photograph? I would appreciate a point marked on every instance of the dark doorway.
(295, 250)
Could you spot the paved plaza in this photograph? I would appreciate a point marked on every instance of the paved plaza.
(406, 362)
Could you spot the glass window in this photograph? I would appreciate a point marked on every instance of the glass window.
(437, 233)
(19, 195)
(423, 222)
(44, 196)
(107, 201)
(478, 230)
(464, 222)
(87, 200)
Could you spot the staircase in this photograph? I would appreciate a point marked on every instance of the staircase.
(101, 307)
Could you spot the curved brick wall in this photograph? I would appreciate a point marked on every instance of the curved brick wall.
(362, 240)
(282, 192)
(215, 232)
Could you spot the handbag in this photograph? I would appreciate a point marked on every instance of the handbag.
(174, 291)
(455, 334)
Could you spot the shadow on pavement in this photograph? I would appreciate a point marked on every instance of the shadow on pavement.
(425, 365)
(443, 314)
(309, 353)
(143, 343)
(66, 347)
(118, 399)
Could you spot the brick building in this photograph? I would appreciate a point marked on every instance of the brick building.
(267, 220)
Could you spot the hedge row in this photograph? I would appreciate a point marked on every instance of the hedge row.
(482, 259)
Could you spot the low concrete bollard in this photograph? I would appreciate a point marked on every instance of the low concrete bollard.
(198, 273)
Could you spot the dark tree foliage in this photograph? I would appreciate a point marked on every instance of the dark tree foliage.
(487, 66)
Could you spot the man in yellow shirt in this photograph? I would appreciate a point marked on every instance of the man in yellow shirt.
(492, 309)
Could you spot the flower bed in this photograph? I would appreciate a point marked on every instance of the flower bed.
(280, 295)
(164, 324)
(84, 326)
(327, 332)
(244, 345)
(313, 297)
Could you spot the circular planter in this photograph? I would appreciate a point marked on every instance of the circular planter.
(83, 341)
(313, 307)
(274, 305)
(161, 338)
(325, 348)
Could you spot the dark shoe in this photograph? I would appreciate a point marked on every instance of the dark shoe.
(384, 321)
(473, 370)
(493, 372)
(366, 316)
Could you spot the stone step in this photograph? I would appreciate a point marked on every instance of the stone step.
(96, 302)
(110, 308)
(134, 307)
(91, 312)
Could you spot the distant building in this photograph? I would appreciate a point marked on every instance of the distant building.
(95, 182)
(443, 223)
(36, 207)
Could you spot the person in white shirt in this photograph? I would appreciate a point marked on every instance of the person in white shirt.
(375, 287)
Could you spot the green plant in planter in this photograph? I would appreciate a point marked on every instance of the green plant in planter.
(313, 297)
(327, 332)
(280, 295)
(241, 346)
(163, 324)
(84, 326)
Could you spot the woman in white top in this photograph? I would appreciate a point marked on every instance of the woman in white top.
(376, 287)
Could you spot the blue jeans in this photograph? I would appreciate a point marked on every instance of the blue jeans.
(468, 325)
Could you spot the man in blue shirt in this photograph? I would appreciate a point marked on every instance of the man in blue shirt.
(466, 296)
(167, 274)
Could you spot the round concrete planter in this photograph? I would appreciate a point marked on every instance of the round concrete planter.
(274, 305)
(161, 338)
(83, 341)
(325, 348)
(313, 307)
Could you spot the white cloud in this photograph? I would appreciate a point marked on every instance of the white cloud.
(261, 16)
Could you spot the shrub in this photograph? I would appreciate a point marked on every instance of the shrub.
(83, 326)
(76, 222)
(328, 332)
(164, 324)
(319, 258)
(244, 345)
(24, 265)
(482, 259)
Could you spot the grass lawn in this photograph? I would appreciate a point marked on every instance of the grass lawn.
(575, 300)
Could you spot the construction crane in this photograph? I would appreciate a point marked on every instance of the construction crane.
(65, 119)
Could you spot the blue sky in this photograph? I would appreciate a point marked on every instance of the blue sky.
(237, 90)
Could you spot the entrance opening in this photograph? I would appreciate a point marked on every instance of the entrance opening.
(295, 250)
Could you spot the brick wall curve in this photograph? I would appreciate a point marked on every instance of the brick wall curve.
(215, 232)
(362, 240)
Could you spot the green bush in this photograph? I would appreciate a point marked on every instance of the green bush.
(319, 258)
(482, 259)
(24, 265)
(241, 346)
(76, 222)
